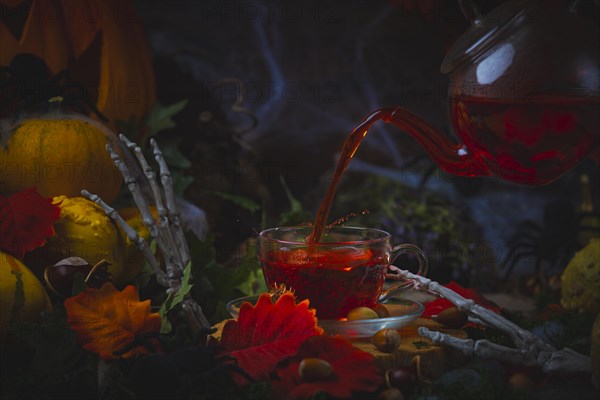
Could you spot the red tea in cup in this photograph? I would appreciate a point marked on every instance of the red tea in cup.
(345, 270)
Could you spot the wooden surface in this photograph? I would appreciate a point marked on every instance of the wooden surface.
(434, 359)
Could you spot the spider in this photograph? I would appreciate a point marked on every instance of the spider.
(27, 84)
(555, 242)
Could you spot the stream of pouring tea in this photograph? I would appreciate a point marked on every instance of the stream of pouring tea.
(348, 149)
(536, 140)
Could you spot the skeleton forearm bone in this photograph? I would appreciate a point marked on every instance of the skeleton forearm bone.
(530, 349)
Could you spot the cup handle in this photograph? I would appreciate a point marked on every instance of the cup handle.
(404, 284)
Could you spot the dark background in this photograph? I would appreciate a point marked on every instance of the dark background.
(308, 73)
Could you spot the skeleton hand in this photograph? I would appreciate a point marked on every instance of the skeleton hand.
(530, 350)
(166, 231)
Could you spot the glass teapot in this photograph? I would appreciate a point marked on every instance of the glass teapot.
(524, 95)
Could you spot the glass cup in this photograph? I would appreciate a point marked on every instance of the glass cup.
(345, 270)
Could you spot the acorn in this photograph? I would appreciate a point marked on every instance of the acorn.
(362, 313)
(314, 369)
(60, 276)
(381, 310)
(386, 340)
(452, 317)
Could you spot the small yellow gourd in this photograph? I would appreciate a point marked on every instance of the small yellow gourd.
(22, 296)
(83, 230)
(580, 281)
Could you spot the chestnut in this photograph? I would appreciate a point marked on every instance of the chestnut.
(60, 276)
(381, 310)
(452, 317)
(403, 378)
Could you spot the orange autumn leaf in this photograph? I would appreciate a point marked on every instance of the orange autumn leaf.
(267, 332)
(108, 321)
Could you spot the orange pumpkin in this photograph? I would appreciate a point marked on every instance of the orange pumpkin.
(101, 43)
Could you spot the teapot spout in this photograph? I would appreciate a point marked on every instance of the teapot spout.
(451, 157)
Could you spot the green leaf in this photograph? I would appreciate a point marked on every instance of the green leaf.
(241, 201)
(160, 117)
(19, 295)
(295, 205)
(296, 214)
(181, 182)
(421, 344)
(174, 299)
(225, 280)
(186, 285)
(144, 276)
(221, 312)
(130, 128)
(165, 326)
(173, 156)
(255, 283)
(176, 161)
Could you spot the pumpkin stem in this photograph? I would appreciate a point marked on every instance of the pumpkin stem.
(55, 104)
(57, 101)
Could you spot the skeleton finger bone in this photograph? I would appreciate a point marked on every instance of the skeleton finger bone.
(131, 234)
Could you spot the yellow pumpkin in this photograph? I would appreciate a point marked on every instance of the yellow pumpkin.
(26, 305)
(101, 43)
(85, 231)
(60, 155)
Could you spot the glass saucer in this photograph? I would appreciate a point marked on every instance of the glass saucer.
(403, 311)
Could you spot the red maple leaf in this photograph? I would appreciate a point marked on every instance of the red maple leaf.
(26, 220)
(265, 333)
(437, 306)
(354, 370)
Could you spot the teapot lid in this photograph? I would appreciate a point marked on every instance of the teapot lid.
(486, 31)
